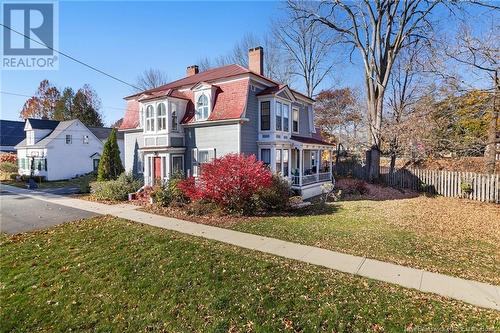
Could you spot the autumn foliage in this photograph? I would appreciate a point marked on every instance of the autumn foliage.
(229, 181)
(8, 157)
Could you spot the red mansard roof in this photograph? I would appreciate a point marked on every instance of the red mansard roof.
(230, 98)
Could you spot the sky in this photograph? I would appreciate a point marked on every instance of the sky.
(125, 38)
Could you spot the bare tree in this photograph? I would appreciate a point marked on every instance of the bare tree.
(379, 30)
(151, 78)
(308, 48)
(482, 56)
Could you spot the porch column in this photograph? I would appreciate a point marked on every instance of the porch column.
(318, 162)
(301, 165)
(331, 163)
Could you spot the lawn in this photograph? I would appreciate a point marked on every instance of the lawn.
(74, 182)
(450, 236)
(107, 274)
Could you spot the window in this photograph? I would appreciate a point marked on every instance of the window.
(161, 117)
(69, 139)
(202, 108)
(286, 117)
(265, 116)
(30, 138)
(141, 118)
(295, 121)
(199, 157)
(278, 160)
(279, 117)
(150, 121)
(175, 126)
(85, 139)
(95, 162)
(265, 156)
(285, 162)
(177, 164)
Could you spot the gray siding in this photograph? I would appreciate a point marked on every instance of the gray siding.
(176, 142)
(304, 129)
(250, 129)
(224, 138)
(133, 158)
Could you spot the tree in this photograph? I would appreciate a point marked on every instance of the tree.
(308, 48)
(151, 78)
(86, 105)
(43, 103)
(64, 105)
(110, 164)
(337, 111)
(482, 56)
(379, 30)
(117, 123)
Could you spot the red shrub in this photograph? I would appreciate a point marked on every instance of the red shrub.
(8, 157)
(229, 181)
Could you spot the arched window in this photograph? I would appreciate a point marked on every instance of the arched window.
(161, 116)
(173, 107)
(202, 108)
(150, 118)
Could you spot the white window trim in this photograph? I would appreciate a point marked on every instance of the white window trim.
(209, 111)
(194, 162)
(172, 162)
(271, 122)
(150, 119)
(158, 118)
(85, 139)
(173, 110)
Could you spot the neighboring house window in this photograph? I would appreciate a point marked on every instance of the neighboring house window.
(278, 160)
(202, 108)
(69, 139)
(30, 138)
(279, 115)
(95, 162)
(285, 162)
(162, 117)
(86, 139)
(286, 117)
(150, 119)
(175, 126)
(295, 120)
(265, 116)
(265, 156)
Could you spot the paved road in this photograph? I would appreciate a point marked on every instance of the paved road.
(20, 213)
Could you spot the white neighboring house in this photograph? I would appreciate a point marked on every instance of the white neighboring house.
(61, 149)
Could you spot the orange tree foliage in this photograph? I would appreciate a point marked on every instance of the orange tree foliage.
(43, 103)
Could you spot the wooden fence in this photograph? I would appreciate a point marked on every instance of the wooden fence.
(474, 186)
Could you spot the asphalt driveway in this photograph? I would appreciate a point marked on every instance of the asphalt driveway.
(20, 213)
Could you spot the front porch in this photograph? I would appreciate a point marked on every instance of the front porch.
(160, 164)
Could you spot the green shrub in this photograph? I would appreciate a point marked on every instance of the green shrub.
(274, 198)
(85, 182)
(8, 167)
(170, 193)
(116, 190)
(161, 195)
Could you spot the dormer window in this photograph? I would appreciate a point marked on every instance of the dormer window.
(150, 119)
(202, 107)
(162, 117)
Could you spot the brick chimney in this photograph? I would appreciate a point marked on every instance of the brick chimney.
(192, 70)
(256, 60)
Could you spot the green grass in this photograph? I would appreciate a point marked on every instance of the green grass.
(107, 274)
(449, 236)
(74, 182)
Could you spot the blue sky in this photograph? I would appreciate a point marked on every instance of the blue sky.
(125, 38)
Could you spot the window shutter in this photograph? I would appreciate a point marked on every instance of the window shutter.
(194, 161)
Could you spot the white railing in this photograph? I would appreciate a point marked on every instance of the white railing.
(311, 179)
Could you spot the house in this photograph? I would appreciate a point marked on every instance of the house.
(61, 149)
(230, 109)
(11, 133)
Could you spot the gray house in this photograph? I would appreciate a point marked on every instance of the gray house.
(230, 109)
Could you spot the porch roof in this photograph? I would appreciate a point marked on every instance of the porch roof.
(311, 141)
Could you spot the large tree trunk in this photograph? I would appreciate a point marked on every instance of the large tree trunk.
(375, 124)
(491, 146)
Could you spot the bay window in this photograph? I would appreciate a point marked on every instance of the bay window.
(295, 120)
(265, 116)
(161, 117)
(265, 156)
(286, 117)
(278, 160)
(150, 119)
(175, 126)
(279, 116)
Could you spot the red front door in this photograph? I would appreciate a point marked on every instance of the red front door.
(157, 168)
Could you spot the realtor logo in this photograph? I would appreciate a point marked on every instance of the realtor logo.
(29, 35)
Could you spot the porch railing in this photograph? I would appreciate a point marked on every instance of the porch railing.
(311, 179)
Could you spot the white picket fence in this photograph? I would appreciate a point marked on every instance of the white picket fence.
(481, 187)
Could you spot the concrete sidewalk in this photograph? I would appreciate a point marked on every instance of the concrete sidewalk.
(473, 292)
